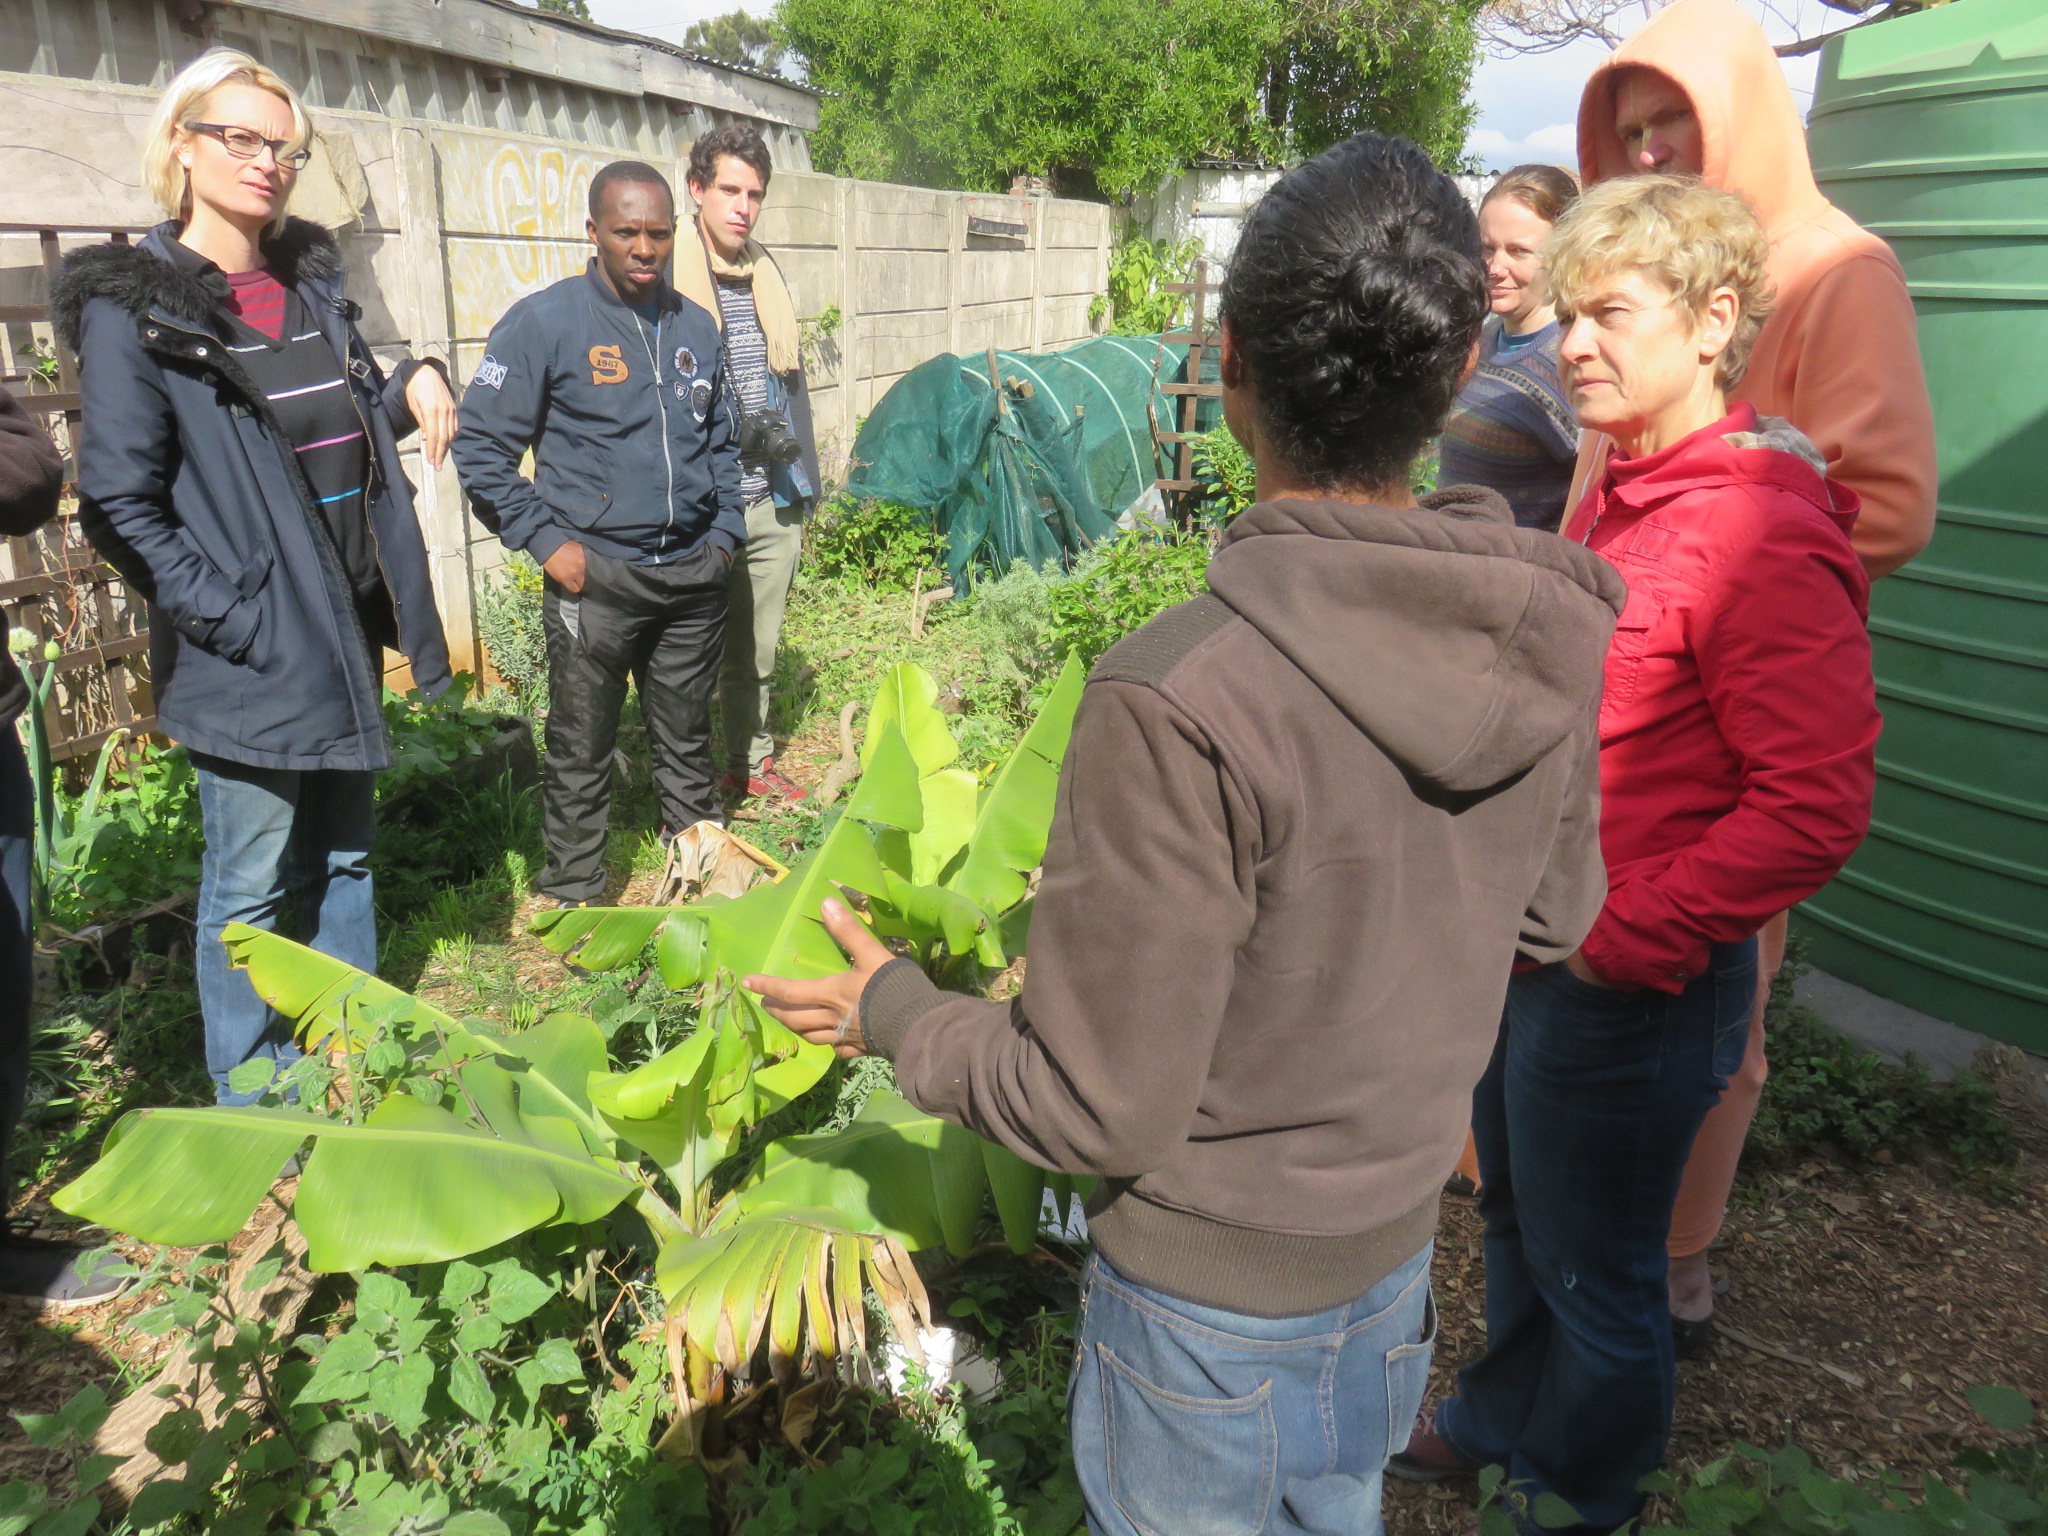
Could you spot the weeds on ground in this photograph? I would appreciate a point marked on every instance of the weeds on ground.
(96, 1055)
(1749, 1492)
(1824, 1093)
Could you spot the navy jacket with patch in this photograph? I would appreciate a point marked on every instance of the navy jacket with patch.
(190, 489)
(635, 435)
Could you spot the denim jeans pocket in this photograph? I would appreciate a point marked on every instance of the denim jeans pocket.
(1408, 1380)
(1188, 1466)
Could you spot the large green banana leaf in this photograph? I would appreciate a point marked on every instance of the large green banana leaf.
(907, 698)
(920, 911)
(775, 930)
(605, 938)
(949, 801)
(410, 1185)
(1015, 813)
(901, 1173)
(322, 995)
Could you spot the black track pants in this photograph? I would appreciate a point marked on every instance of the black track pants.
(664, 626)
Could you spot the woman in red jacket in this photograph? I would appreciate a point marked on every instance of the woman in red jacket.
(1737, 729)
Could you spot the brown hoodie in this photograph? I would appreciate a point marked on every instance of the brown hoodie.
(1305, 825)
(1840, 357)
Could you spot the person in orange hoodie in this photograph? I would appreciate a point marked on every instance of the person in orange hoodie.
(1699, 91)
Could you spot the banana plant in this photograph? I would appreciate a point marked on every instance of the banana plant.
(486, 1133)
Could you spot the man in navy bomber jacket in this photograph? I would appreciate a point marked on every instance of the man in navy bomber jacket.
(617, 384)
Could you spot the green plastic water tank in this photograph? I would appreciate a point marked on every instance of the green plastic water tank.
(1932, 130)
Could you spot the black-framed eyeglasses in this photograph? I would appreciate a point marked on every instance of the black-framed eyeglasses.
(247, 144)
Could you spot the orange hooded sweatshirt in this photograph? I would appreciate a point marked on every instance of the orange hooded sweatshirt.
(1839, 357)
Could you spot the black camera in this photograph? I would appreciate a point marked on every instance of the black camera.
(766, 438)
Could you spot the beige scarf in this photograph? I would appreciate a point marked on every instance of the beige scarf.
(772, 306)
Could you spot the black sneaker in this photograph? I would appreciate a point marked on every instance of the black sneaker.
(46, 1274)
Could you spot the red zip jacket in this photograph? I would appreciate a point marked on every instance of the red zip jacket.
(1739, 721)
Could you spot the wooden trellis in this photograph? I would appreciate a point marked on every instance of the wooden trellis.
(55, 586)
(1201, 336)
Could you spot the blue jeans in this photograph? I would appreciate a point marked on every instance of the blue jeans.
(1189, 1421)
(283, 848)
(1583, 1121)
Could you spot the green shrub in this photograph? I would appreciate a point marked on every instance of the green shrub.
(1119, 585)
(1136, 302)
(1229, 481)
(876, 544)
(1825, 1092)
(508, 617)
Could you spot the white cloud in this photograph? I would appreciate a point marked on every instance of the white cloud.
(1490, 144)
(1557, 139)
(667, 19)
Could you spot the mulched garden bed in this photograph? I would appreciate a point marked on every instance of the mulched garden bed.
(1904, 1280)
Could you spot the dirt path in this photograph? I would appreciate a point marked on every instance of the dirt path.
(1898, 1278)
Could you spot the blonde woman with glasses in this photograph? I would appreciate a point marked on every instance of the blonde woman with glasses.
(239, 466)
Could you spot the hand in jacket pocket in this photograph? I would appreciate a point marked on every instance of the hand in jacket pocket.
(567, 566)
(1575, 962)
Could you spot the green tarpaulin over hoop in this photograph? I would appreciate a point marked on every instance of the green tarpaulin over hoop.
(1039, 481)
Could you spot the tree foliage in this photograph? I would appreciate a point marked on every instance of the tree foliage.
(737, 37)
(580, 9)
(1106, 96)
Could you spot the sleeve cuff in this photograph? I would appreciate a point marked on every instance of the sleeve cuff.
(542, 545)
(719, 538)
(896, 997)
(1618, 965)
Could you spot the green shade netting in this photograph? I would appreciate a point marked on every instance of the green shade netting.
(1035, 474)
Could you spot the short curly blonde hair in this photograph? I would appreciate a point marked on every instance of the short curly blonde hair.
(186, 95)
(1691, 238)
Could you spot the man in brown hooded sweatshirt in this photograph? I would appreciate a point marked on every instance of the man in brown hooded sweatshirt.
(1306, 824)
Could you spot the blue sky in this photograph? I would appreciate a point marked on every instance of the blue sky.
(1527, 104)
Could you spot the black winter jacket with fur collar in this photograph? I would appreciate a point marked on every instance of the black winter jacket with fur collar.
(190, 490)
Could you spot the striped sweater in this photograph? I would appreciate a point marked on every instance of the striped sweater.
(1511, 429)
(274, 337)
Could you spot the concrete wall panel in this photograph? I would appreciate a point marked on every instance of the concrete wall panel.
(487, 276)
(800, 209)
(812, 276)
(994, 325)
(504, 184)
(990, 277)
(891, 281)
(1075, 224)
(892, 344)
(1067, 272)
(901, 218)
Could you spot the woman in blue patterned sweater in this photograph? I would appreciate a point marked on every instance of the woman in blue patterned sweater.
(1511, 429)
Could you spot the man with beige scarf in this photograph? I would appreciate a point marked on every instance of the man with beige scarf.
(728, 273)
